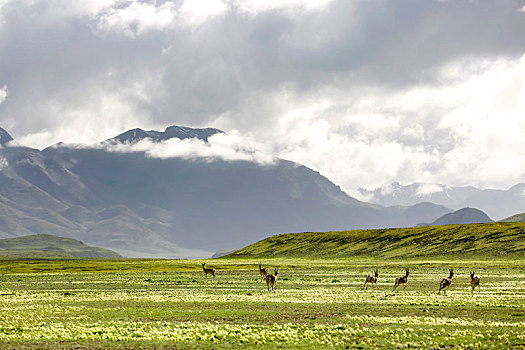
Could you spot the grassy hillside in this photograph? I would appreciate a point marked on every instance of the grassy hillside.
(493, 239)
(50, 247)
(515, 218)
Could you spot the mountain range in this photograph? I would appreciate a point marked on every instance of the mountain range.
(498, 204)
(141, 205)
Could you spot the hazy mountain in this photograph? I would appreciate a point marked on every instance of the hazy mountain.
(462, 216)
(496, 203)
(174, 207)
(499, 204)
(426, 211)
(49, 246)
(397, 194)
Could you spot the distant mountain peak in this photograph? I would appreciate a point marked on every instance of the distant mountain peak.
(183, 132)
(180, 132)
(4, 137)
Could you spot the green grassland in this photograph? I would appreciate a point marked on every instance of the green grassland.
(472, 240)
(318, 303)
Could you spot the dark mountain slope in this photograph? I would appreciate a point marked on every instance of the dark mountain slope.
(4, 137)
(462, 216)
(220, 201)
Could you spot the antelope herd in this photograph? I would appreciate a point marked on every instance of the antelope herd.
(271, 279)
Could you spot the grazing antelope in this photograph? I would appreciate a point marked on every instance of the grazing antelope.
(474, 281)
(208, 271)
(262, 271)
(272, 279)
(446, 282)
(371, 279)
(402, 280)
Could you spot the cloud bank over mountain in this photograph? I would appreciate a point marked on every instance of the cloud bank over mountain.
(230, 146)
(365, 92)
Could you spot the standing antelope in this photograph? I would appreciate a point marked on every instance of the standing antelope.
(474, 281)
(371, 279)
(208, 271)
(402, 280)
(262, 271)
(446, 282)
(272, 279)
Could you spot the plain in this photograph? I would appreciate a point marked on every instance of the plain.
(317, 303)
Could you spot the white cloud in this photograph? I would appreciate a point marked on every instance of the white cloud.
(522, 9)
(136, 18)
(426, 189)
(87, 124)
(468, 130)
(3, 93)
(231, 146)
(196, 12)
(3, 163)
(257, 6)
(383, 96)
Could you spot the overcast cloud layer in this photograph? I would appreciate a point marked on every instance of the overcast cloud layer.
(366, 92)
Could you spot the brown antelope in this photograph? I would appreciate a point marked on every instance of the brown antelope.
(271, 280)
(208, 271)
(474, 281)
(262, 271)
(371, 279)
(446, 282)
(402, 280)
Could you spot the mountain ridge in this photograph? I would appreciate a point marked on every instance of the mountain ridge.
(143, 206)
(181, 132)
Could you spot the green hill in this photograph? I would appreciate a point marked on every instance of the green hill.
(474, 240)
(515, 218)
(44, 246)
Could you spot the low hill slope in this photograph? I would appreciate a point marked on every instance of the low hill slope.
(515, 218)
(50, 247)
(476, 240)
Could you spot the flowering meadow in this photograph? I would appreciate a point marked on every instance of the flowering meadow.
(128, 304)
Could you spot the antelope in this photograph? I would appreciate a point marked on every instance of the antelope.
(474, 281)
(402, 280)
(262, 271)
(446, 282)
(208, 271)
(371, 279)
(272, 279)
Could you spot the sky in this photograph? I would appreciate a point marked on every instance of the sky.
(365, 92)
